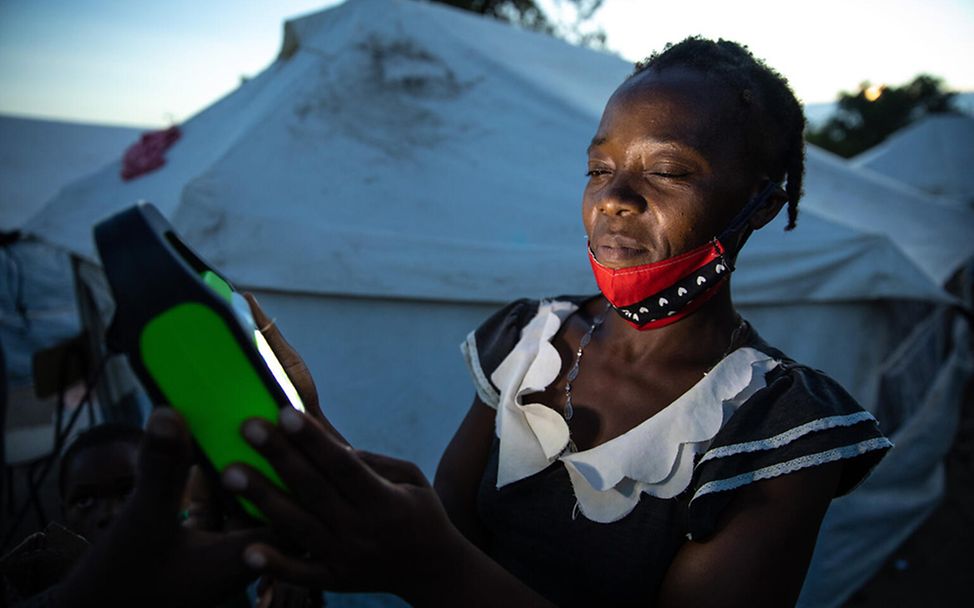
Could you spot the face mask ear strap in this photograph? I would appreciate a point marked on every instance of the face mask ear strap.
(740, 221)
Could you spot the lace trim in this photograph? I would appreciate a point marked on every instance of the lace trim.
(787, 437)
(790, 466)
(484, 389)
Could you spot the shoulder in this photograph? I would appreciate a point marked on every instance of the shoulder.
(801, 419)
(486, 346)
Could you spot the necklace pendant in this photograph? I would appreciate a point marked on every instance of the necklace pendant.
(569, 411)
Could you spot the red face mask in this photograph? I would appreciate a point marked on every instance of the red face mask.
(657, 294)
(660, 293)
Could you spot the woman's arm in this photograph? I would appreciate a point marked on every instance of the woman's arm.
(462, 465)
(761, 550)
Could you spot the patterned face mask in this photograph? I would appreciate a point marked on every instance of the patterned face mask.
(654, 295)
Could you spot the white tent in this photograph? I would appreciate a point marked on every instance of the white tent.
(37, 157)
(403, 169)
(934, 154)
(935, 234)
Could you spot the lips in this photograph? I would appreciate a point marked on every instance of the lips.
(618, 249)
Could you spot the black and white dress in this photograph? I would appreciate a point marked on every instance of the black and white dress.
(601, 526)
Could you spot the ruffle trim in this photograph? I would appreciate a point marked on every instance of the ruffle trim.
(656, 457)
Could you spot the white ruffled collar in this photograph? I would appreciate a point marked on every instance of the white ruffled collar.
(655, 457)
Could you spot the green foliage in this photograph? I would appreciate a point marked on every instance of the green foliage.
(867, 117)
(529, 15)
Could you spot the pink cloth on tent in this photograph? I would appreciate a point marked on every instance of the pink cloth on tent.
(148, 154)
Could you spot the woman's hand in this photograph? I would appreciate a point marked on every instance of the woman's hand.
(292, 363)
(147, 558)
(362, 522)
(272, 593)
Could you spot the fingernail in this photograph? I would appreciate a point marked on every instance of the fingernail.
(163, 424)
(291, 420)
(255, 432)
(234, 479)
(255, 559)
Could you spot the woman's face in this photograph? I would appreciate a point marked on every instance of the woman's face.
(667, 169)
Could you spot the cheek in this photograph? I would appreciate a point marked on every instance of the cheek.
(76, 518)
(588, 215)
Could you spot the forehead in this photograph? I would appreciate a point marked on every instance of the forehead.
(676, 105)
(99, 463)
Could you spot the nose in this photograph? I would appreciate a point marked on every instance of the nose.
(104, 514)
(620, 198)
(108, 509)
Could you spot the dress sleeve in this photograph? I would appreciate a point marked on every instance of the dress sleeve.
(801, 419)
(488, 345)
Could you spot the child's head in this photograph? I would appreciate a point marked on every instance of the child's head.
(97, 475)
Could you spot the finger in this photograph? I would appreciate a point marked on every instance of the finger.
(302, 479)
(290, 360)
(164, 461)
(261, 319)
(267, 560)
(296, 524)
(210, 567)
(150, 518)
(393, 469)
(230, 545)
(333, 459)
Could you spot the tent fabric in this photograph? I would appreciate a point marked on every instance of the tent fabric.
(850, 341)
(39, 156)
(934, 235)
(37, 307)
(933, 154)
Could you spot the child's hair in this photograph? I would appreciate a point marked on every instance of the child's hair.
(102, 434)
(774, 120)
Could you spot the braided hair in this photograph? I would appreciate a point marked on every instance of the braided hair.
(773, 117)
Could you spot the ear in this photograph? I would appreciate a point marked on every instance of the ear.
(769, 210)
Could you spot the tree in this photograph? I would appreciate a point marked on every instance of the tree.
(867, 117)
(573, 27)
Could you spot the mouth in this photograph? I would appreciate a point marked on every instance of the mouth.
(619, 250)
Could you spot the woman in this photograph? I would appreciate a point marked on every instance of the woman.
(641, 447)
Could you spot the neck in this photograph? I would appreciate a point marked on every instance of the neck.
(698, 339)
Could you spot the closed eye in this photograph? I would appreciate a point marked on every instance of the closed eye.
(669, 170)
(83, 502)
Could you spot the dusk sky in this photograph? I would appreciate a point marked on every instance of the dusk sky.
(151, 64)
